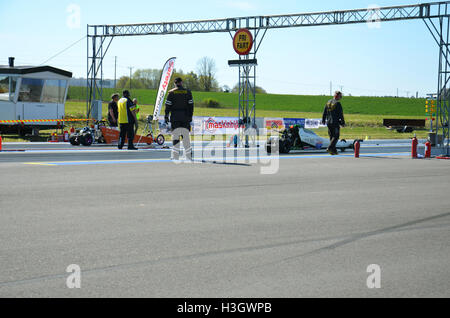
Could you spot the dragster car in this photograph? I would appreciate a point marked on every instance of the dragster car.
(101, 134)
(297, 138)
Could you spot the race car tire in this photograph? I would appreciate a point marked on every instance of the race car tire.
(74, 141)
(284, 147)
(86, 140)
(272, 144)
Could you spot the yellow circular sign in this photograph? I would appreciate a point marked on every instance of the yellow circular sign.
(243, 42)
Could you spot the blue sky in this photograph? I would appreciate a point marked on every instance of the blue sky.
(359, 59)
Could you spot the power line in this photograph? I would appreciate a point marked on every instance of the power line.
(67, 48)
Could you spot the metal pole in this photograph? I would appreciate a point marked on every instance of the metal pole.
(438, 97)
(131, 70)
(94, 67)
(115, 73)
(87, 72)
(447, 97)
(101, 70)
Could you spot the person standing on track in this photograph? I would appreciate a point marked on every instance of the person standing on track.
(127, 120)
(113, 112)
(180, 108)
(333, 117)
(138, 117)
(137, 111)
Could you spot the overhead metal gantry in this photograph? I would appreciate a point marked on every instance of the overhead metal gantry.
(435, 15)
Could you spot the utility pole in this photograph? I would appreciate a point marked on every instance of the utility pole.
(331, 88)
(131, 71)
(115, 73)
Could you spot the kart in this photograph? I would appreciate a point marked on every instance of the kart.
(297, 138)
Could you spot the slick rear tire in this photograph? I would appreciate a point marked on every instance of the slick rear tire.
(86, 140)
(284, 148)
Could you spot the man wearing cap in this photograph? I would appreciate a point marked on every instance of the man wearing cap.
(127, 120)
(333, 117)
(113, 112)
(179, 111)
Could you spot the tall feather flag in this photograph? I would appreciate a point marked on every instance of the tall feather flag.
(163, 85)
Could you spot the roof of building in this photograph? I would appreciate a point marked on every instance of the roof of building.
(20, 70)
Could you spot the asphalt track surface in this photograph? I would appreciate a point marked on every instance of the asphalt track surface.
(139, 225)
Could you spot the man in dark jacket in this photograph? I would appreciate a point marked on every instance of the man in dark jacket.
(113, 112)
(179, 111)
(333, 117)
(127, 120)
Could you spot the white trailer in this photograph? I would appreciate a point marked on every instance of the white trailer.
(32, 93)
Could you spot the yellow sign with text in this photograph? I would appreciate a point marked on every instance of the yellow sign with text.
(243, 42)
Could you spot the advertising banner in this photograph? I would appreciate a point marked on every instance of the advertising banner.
(220, 125)
(274, 124)
(163, 85)
(294, 121)
(313, 123)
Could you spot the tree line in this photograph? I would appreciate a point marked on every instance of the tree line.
(203, 79)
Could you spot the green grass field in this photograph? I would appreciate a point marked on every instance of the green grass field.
(288, 103)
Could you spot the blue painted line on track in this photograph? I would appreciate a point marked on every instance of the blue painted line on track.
(232, 160)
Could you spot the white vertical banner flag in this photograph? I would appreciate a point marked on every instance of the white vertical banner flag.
(163, 85)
